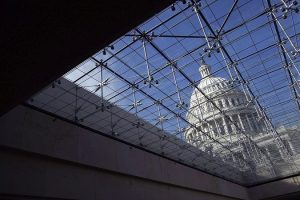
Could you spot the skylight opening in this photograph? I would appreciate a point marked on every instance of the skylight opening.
(239, 120)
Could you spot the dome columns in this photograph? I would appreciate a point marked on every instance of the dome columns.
(249, 124)
(241, 122)
(293, 151)
(256, 127)
(233, 127)
(218, 129)
(225, 125)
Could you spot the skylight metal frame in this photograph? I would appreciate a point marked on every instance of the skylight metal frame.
(140, 76)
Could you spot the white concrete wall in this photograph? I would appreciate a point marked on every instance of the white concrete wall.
(105, 169)
(275, 189)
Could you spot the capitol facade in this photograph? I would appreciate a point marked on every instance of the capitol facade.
(222, 116)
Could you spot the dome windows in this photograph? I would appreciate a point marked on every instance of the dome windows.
(238, 101)
(226, 102)
(220, 104)
(232, 102)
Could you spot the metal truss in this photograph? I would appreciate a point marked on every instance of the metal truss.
(138, 88)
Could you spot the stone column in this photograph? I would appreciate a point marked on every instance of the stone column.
(225, 125)
(198, 134)
(232, 125)
(249, 123)
(210, 130)
(291, 147)
(255, 122)
(267, 150)
(217, 127)
(201, 133)
(230, 102)
(263, 124)
(241, 122)
(281, 153)
(204, 132)
(224, 104)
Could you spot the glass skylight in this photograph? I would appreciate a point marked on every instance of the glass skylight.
(244, 126)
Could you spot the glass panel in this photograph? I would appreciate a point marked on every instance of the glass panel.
(146, 88)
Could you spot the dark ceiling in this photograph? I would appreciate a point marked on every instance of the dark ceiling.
(41, 40)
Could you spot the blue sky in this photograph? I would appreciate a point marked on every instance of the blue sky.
(271, 88)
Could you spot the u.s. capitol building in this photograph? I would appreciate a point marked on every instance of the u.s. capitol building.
(222, 116)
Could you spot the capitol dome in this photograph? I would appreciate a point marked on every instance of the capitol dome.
(207, 79)
(213, 97)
